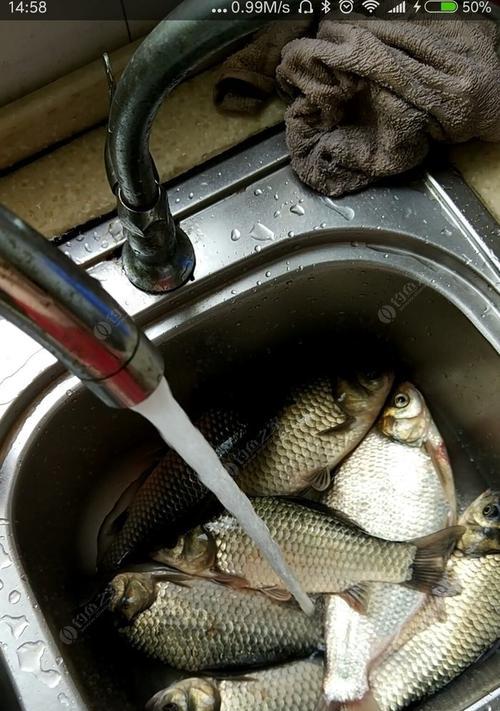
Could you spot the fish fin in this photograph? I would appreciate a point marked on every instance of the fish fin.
(321, 480)
(231, 581)
(333, 429)
(276, 593)
(356, 597)
(439, 458)
(172, 576)
(428, 574)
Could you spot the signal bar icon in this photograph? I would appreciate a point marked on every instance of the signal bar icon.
(399, 9)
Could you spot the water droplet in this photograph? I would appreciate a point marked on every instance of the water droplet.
(297, 209)
(268, 274)
(66, 252)
(395, 197)
(16, 625)
(322, 225)
(191, 196)
(258, 191)
(1, 584)
(276, 196)
(63, 699)
(5, 560)
(105, 244)
(235, 235)
(261, 233)
(257, 248)
(14, 596)
(259, 283)
(177, 200)
(80, 238)
(115, 229)
(346, 212)
(30, 656)
(291, 233)
(446, 232)
(233, 292)
(96, 236)
(277, 213)
(87, 247)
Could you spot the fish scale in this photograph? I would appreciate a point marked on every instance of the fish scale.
(432, 652)
(208, 626)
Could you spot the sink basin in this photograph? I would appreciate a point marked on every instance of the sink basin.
(423, 301)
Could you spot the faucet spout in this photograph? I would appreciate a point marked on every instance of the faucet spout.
(63, 308)
(158, 256)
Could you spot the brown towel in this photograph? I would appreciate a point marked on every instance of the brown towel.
(368, 96)
(247, 79)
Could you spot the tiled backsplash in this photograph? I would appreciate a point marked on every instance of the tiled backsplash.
(34, 53)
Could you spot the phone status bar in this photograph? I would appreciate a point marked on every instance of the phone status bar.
(347, 10)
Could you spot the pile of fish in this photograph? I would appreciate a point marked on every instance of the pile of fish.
(353, 480)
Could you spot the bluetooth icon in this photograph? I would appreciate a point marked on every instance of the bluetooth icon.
(326, 6)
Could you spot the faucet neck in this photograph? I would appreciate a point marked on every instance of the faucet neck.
(158, 256)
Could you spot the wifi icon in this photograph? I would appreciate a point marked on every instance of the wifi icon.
(370, 5)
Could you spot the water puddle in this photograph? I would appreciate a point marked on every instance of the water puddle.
(165, 413)
(30, 656)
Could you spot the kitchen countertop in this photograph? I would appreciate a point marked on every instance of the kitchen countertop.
(68, 187)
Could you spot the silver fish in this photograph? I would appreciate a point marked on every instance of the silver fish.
(437, 645)
(394, 488)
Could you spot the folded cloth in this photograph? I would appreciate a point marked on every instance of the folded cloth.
(247, 78)
(368, 97)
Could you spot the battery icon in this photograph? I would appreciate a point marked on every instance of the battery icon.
(441, 6)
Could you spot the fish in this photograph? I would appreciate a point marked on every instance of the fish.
(433, 648)
(293, 448)
(317, 426)
(290, 687)
(194, 624)
(395, 489)
(164, 499)
(327, 552)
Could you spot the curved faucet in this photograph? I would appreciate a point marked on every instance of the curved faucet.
(63, 308)
(158, 255)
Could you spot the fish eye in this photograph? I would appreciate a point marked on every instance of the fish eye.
(491, 511)
(401, 400)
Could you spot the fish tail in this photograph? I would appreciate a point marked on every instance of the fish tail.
(428, 569)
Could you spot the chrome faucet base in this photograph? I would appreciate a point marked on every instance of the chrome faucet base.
(159, 278)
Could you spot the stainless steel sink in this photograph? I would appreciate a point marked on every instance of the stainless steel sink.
(407, 273)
